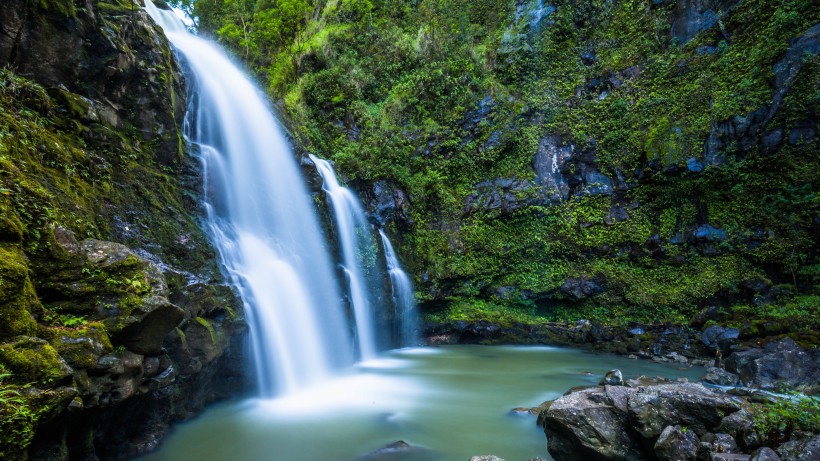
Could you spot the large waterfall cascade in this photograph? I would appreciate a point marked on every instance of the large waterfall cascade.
(261, 220)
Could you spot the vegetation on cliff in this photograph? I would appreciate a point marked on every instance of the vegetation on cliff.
(91, 104)
(626, 160)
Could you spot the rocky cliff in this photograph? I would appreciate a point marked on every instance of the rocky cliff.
(114, 318)
(614, 161)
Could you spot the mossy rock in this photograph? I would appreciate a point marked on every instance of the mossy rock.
(17, 297)
(33, 360)
(80, 347)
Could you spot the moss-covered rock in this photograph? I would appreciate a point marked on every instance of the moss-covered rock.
(33, 360)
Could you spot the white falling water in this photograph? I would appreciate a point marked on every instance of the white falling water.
(403, 298)
(353, 232)
(261, 221)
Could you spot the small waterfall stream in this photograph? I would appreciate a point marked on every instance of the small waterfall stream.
(356, 245)
(262, 221)
(403, 298)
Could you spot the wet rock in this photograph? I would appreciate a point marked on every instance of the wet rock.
(502, 194)
(778, 364)
(718, 337)
(708, 233)
(720, 377)
(729, 457)
(676, 444)
(395, 450)
(694, 165)
(765, 454)
(550, 159)
(653, 408)
(690, 17)
(636, 331)
(803, 447)
(588, 424)
(613, 378)
(486, 458)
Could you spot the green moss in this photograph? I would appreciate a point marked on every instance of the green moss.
(33, 360)
(205, 323)
(17, 297)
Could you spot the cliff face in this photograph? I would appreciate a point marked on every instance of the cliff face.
(114, 318)
(563, 159)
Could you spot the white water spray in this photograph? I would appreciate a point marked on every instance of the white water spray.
(403, 298)
(261, 221)
(353, 232)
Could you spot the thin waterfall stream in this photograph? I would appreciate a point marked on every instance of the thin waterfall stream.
(353, 232)
(404, 300)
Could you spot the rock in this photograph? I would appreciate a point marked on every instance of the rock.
(779, 364)
(803, 447)
(636, 331)
(676, 444)
(503, 194)
(486, 458)
(653, 408)
(729, 457)
(708, 233)
(613, 378)
(588, 424)
(764, 454)
(396, 450)
(690, 17)
(718, 337)
(694, 165)
(33, 360)
(549, 160)
(740, 426)
(596, 184)
(720, 377)
(582, 287)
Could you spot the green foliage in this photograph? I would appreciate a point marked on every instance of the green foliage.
(439, 96)
(17, 419)
(779, 420)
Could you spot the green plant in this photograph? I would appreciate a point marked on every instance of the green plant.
(780, 419)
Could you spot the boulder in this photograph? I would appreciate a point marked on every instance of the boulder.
(779, 364)
(718, 337)
(613, 378)
(804, 447)
(653, 408)
(676, 444)
(765, 454)
(720, 377)
(590, 423)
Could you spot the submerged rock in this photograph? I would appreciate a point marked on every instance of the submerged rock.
(394, 451)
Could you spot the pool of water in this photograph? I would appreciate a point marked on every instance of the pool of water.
(451, 402)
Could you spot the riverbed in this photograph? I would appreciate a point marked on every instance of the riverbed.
(449, 403)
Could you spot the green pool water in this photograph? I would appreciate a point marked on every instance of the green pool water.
(451, 402)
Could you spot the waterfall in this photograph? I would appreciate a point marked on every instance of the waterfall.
(261, 221)
(356, 245)
(403, 298)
